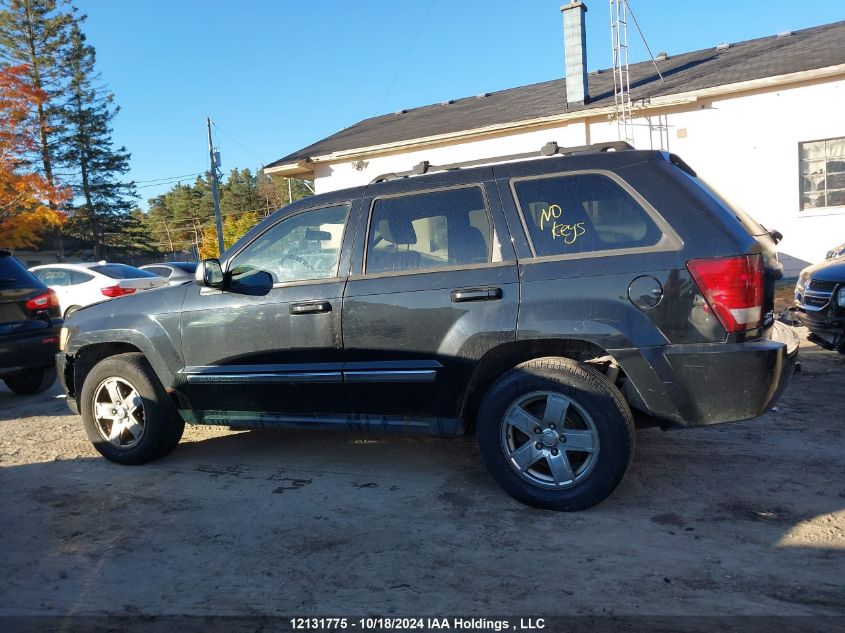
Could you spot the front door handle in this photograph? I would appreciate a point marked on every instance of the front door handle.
(476, 294)
(310, 307)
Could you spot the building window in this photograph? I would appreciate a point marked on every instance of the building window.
(822, 173)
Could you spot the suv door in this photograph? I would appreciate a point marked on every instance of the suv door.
(267, 348)
(434, 287)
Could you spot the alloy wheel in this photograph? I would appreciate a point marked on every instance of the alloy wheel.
(549, 439)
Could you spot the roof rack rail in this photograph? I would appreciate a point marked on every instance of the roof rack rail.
(549, 149)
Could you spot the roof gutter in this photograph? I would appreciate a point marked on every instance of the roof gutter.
(306, 166)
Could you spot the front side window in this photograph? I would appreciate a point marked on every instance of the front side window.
(434, 229)
(301, 247)
(582, 213)
(822, 173)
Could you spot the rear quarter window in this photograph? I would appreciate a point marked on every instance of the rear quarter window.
(121, 271)
(581, 213)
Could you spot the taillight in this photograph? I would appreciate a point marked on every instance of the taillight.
(733, 287)
(44, 301)
(116, 291)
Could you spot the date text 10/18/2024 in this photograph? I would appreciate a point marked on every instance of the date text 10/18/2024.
(416, 624)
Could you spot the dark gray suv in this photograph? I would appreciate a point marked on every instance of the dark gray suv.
(545, 305)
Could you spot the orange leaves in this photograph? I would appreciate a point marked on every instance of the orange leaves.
(27, 201)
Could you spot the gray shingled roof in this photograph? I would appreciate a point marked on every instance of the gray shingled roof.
(816, 47)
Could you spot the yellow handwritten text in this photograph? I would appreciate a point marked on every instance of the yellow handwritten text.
(567, 232)
(547, 215)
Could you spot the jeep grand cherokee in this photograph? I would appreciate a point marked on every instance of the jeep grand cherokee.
(539, 303)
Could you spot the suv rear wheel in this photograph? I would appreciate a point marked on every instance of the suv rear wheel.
(31, 381)
(127, 415)
(555, 434)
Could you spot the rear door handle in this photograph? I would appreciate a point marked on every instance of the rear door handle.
(476, 294)
(310, 307)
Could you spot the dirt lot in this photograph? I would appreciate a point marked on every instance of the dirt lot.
(745, 518)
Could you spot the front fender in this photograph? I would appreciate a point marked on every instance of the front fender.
(148, 321)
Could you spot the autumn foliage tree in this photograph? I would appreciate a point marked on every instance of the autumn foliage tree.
(27, 199)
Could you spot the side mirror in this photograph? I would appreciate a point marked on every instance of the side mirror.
(209, 273)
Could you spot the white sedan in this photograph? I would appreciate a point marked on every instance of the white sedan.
(79, 285)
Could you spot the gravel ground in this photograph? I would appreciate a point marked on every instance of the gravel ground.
(743, 518)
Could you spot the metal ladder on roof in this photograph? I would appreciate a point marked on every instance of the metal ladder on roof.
(621, 75)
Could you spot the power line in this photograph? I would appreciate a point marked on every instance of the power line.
(249, 151)
(199, 173)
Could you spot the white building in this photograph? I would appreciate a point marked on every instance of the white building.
(762, 121)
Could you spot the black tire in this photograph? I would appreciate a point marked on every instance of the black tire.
(31, 381)
(594, 415)
(71, 310)
(162, 426)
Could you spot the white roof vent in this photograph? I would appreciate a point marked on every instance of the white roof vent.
(662, 56)
(723, 46)
(785, 34)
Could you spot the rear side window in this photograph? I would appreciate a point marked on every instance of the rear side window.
(429, 230)
(121, 271)
(77, 277)
(161, 271)
(582, 213)
(14, 275)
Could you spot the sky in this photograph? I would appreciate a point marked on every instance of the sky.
(278, 75)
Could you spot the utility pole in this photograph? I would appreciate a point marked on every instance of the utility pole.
(217, 219)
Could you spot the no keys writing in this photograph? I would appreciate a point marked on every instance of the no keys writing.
(567, 232)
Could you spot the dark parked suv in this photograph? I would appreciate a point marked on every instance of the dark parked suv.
(820, 302)
(29, 328)
(540, 304)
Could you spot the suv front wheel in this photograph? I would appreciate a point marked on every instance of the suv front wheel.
(127, 414)
(555, 434)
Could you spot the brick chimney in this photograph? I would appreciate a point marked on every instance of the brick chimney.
(575, 52)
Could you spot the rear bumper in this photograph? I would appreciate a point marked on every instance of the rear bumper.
(30, 350)
(693, 385)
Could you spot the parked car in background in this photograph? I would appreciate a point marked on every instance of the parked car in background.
(820, 303)
(30, 322)
(80, 285)
(836, 251)
(175, 273)
(395, 305)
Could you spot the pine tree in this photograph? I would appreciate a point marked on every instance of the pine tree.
(106, 201)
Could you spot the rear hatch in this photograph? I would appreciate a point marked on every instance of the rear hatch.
(25, 303)
(764, 239)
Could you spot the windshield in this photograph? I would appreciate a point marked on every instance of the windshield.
(121, 271)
